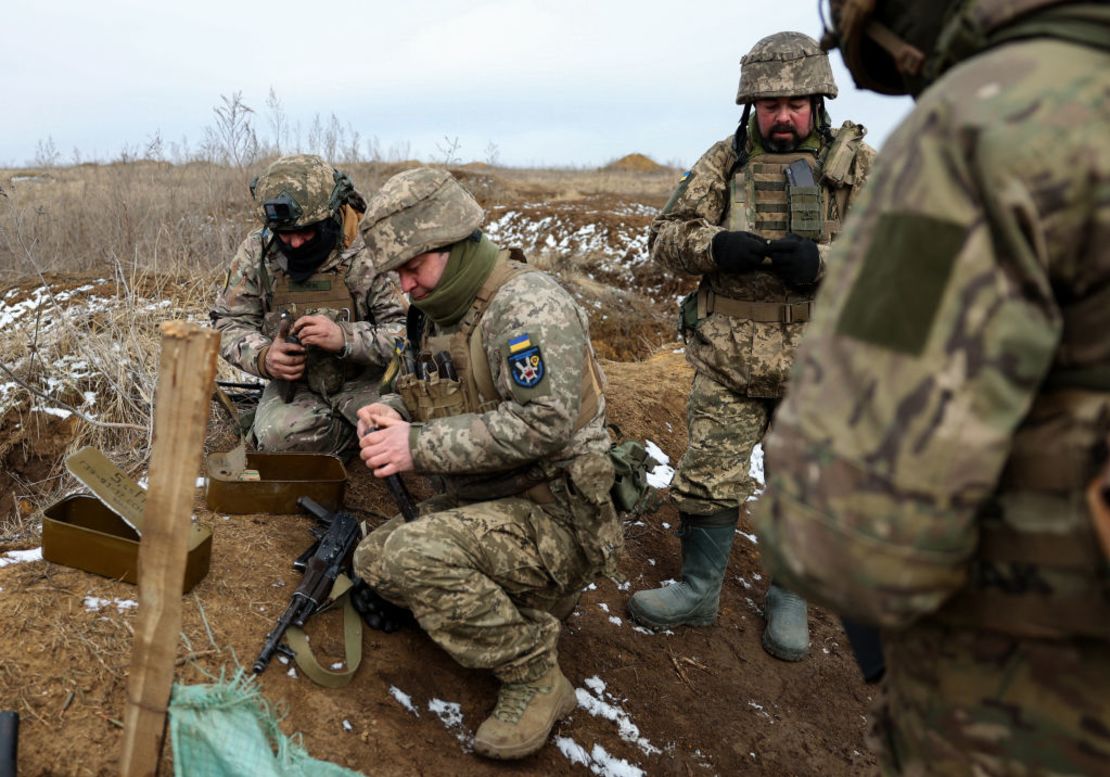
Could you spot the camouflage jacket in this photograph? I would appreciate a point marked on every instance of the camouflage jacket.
(751, 357)
(241, 307)
(939, 401)
(531, 425)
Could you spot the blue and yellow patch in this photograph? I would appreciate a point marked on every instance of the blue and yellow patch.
(519, 343)
(525, 362)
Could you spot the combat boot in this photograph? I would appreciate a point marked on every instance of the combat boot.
(524, 716)
(706, 542)
(787, 633)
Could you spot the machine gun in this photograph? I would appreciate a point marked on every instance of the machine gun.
(322, 564)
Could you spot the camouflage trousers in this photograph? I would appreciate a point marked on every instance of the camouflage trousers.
(722, 427)
(481, 577)
(311, 422)
(962, 702)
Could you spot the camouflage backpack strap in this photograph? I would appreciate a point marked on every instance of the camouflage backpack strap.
(265, 240)
(503, 271)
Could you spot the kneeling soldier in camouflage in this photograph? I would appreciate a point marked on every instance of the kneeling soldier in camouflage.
(501, 401)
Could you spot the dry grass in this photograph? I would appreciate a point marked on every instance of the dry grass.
(150, 240)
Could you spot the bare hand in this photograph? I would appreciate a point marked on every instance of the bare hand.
(320, 331)
(375, 410)
(385, 449)
(284, 360)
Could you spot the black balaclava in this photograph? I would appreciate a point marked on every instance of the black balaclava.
(303, 261)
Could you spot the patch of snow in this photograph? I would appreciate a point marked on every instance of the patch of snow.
(604, 607)
(755, 469)
(451, 716)
(656, 452)
(600, 704)
(292, 672)
(403, 699)
(661, 476)
(20, 556)
(749, 537)
(95, 604)
(615, 620)
(60, 412)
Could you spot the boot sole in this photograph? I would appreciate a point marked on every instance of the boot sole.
(647, 622)
(566, 706)
(784, 654)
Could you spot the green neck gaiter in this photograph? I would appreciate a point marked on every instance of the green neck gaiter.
(755, 141)
(467, 268)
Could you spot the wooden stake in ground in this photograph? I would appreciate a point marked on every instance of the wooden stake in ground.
(185, 378)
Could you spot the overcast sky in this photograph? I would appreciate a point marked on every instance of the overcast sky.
(529, 82)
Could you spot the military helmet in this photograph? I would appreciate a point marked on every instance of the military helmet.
(415, 212)
(889, 46)
(299, 190)
(786, 64)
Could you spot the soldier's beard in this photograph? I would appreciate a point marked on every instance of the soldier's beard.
(782, 145)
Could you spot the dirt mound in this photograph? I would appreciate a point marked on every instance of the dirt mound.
(635, 163)
(693, 702)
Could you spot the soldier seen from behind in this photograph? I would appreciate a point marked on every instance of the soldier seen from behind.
(951, 402)
(753, 218)
(304, 307)
(499, 398)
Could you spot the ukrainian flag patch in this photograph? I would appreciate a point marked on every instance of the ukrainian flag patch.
(526, 363)
(519, 343)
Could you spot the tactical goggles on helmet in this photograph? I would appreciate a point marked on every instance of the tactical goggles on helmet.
(282, 212)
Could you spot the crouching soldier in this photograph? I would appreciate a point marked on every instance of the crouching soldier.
(306, 276)
(501, 400)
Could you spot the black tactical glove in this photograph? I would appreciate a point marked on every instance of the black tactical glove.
(736, 252)
(794, 259)
(379, 614)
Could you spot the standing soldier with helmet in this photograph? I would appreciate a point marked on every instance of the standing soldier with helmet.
(500, 399)
(305, 307)
(753, 218)
(951, 406)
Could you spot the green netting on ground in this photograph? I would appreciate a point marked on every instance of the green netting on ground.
(228, 730)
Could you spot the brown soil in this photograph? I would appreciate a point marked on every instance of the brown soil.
(710, 699)
(636, 163)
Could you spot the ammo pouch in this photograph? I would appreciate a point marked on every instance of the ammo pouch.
(803, 197)
(688, 314)
(433, 397)
(631, 492)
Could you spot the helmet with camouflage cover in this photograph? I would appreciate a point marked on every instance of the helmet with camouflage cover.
(902, 46)
(415, 212)
(786, 64)
(299, 190)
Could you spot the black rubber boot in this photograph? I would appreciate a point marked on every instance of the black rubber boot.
(706, 542)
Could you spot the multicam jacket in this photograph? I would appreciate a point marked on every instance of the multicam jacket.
(750, 348)
(247, 321)
(952, 397)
